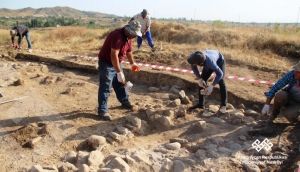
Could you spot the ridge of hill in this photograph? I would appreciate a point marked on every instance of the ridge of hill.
(51, 11)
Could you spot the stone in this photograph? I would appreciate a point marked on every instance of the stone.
(215, 120)
(84, 168)
(115, 136)
(207, 113)
(162, 150)
(174, 90)
(95, 141)
(153, 89)
(241, 106)
(179, 140)
(181, 112)
(165, 88)
(224, 150)
(95, 158)
(211, 153)
(66, 167)
(213, 108)
(48, 80)
(70, 157)
(236, 121)
(201, 125)
(186, 100)
(217, 140)
(201, 154)
(119, 163)
(210, 146)
(182, 94)
(178, 166)
(36, 168)
(165, 121)
(135, 121)
(173, 146)
(34, 141)
(82, 158)
(229, 106)
(235, 146)
(242, 138)
(251, 167)
(169, 113)
(191, 97)
(176, 102)
(167, 165)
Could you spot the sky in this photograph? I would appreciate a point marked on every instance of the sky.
(258, 11)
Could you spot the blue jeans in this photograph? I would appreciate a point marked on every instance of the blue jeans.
(28, 40)
(148, 37)
(108, 78)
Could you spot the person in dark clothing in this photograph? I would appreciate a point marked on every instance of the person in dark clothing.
(212, 61)
(20, 31)
(116, 45)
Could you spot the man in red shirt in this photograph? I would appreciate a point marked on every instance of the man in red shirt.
(116, 46)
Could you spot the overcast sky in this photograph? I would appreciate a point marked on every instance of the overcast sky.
(259, 11)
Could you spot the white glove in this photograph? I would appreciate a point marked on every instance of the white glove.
(265, 110)
(208, 90)
(201, 83)
(121, 77)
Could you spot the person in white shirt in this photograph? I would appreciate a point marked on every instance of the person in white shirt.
(145, 22)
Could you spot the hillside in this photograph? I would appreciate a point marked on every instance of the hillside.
(53, 11)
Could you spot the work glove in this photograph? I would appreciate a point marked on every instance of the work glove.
(208, 90)
(201, 83)
(135, 67)
(121, 77)
(265, 110)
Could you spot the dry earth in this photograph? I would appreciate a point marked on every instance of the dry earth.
(58, 123)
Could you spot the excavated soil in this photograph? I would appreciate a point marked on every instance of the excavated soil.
(61, 110)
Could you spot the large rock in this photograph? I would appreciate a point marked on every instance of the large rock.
(82, 158)
(66, 167)
(201, 125)
(119, 163)
(213, 108)
(167, 165)
(176, 102)
(95, 141)
(36, 168)
(173, 146)
(178, 166)
(251, 167)
(95, 158)
(71, 157)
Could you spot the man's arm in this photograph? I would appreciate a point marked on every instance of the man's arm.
(130, 57)
(130, 20)
(115, 60)
(196, 71)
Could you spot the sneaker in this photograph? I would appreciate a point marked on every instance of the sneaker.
(105, 116)
(127, 105)
(195, 107)
(30, 50)
(223, 109)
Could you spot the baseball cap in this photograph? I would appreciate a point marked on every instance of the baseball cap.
(13, 33)
(196, 57)
(134, 28)
(144, 12)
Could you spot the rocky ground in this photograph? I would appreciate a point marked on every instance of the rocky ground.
(55, 127)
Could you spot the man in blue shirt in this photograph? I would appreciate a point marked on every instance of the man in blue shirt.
(287, 99)
(212, 61)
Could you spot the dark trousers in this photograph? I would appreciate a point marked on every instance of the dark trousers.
(108, 78)
(223, 91)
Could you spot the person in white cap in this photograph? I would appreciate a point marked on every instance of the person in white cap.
(145, 22)
(116, 45)
(20, 31)
(287, 100)
(212, 61)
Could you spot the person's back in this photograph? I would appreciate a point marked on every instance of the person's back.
(20, 31)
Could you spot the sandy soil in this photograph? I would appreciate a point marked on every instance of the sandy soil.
(61, 108)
